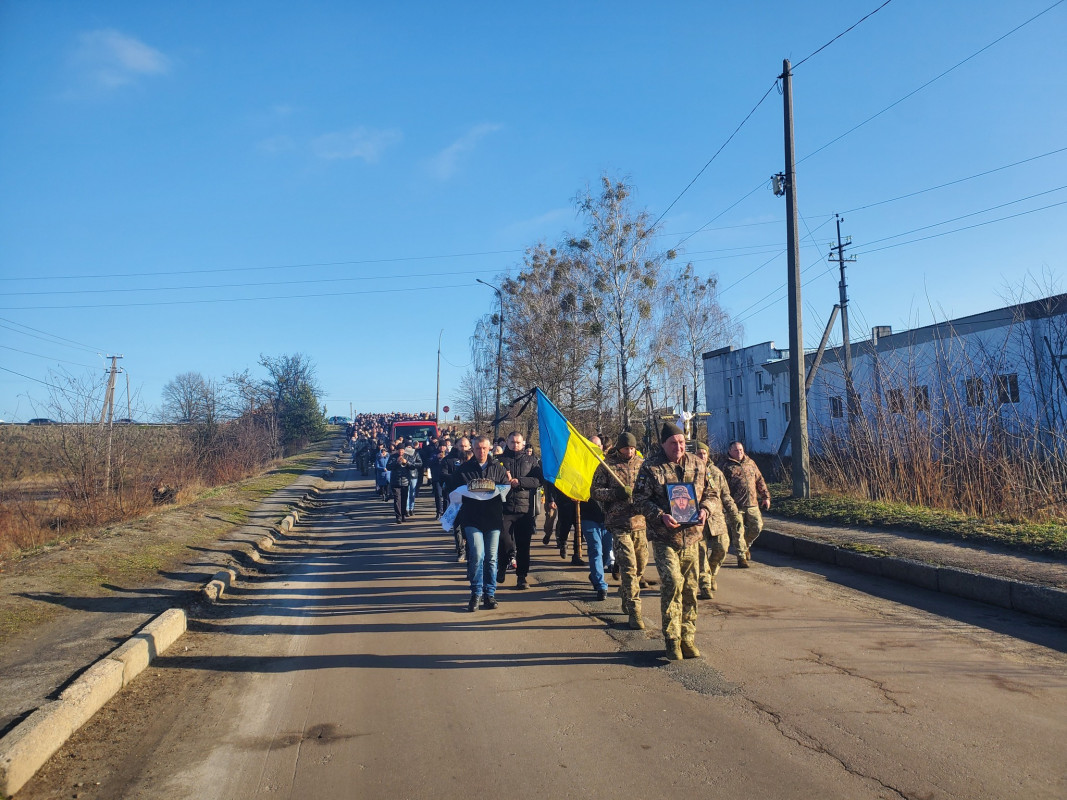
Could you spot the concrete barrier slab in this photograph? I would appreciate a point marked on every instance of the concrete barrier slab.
(134, 655)
(1041, 601)
(974, 586)
(168, 627)
(861, 562)
(816, 551)
(779, 542)
(907, 571)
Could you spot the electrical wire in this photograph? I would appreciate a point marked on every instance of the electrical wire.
(65, 390)
(846, 30)
(59, 340)
(929, 82)
(240, 299)
(716, 155)
(953, 183)
(252, 284)
(47, 358)
(254, 269)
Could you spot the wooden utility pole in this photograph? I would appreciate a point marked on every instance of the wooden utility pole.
(798, 406)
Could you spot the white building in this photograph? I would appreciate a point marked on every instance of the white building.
(1005, 364)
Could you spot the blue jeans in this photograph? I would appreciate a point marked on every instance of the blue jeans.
(481, 560)
(598, 545)
(412, 491)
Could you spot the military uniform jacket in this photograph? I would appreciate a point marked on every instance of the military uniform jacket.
(650, 496)
(746, 482)
(620, 514)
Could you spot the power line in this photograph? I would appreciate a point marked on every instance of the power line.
(57, 339)
(965, 228)
(716, 155)
(255, 269)
(63, 389)
(241, 299)
(252, 284)
(47, 358)
(932, 80)
(846, 30)
(953, 183)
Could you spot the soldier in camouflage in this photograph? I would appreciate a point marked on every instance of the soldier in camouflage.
(750, 493)
(674, 545)
(626, 523)
(716, 536)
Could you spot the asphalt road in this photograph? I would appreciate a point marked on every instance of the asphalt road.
(350, 668)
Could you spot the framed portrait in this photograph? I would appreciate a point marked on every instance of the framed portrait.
(683, 501)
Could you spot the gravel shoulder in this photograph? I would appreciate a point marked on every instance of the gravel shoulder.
(71, 604)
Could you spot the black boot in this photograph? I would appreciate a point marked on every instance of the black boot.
(473, 604)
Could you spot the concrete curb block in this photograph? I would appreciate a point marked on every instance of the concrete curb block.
(1046, 602)
(974, 586)
(26, 748)
(217, 586)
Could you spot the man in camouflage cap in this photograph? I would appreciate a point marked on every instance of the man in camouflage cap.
(626, 523)
(674, 545)
(750, 493)
(716, 539)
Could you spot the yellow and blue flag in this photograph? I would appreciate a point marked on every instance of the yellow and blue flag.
(568, 459)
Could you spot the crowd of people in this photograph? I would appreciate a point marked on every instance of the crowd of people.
(688, 508)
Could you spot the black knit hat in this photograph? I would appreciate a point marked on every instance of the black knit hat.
(626, 439)
(669, 429)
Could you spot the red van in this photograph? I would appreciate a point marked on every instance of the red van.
(419, 430)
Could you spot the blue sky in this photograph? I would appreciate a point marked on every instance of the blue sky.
(355, 166)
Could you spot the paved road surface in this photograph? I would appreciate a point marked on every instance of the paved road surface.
(351, 669)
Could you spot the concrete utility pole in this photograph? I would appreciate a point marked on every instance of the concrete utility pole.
(107, 413)
(437, 400)
(798, 406)
(839, 257)
(499, 354)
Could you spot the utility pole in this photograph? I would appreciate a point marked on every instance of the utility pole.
(107, 413)
(437, 400)
(850, 392)
(499, 354)
(798, 405)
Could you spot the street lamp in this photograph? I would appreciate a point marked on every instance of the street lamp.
(499, 353)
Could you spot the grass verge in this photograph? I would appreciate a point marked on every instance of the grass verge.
(1048, 538)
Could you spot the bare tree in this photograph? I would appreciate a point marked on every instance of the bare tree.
(621, 274)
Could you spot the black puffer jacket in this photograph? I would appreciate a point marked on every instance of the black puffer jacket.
(527, 470)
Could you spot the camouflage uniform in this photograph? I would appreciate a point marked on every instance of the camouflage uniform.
(676, 550)
(626, 524)
(716, 541)
(748, 490)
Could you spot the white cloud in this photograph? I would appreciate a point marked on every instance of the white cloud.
(365, 143)
(112, 59)
(536, 226)
(445, 164)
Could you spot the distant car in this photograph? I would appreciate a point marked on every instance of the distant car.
(338, 420)
(41, 421)
(125, 421)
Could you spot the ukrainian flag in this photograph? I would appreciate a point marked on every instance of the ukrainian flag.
(568, 459)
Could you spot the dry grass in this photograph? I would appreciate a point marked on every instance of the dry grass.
(53, 484)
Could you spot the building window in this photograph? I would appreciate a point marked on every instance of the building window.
(837, 407)
(894, 400)
(729, 387)
(920, 395)
(763, 428)
(974, 388)
(1007, 388)
(741, 431)
(733, 431)
(759, 381)
(740, 385)
(785, 411)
